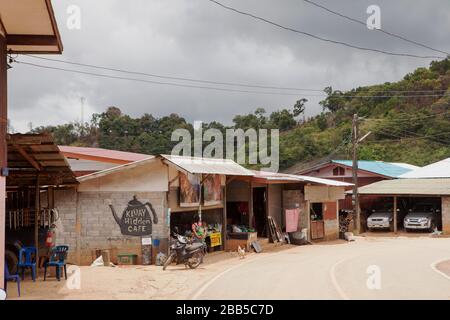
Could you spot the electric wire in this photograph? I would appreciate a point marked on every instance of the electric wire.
(379, 30)
(253, 16)
(217, 88)
(433, 91)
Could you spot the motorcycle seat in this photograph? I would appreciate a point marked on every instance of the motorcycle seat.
(194, 246)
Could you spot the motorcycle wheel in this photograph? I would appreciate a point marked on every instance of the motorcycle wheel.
(168, 261)
(195, 260)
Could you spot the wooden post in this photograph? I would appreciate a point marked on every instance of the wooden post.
(395, 214)
(224, 224)
(3, 149)
(51, 197)
(37, 211)
(250, 204)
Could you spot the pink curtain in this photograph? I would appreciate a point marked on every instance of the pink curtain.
(292, 219)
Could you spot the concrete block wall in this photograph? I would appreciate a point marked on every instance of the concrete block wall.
(98, 228)
(66, 203)
(446, 214)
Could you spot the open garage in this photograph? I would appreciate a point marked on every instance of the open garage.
(418, 204)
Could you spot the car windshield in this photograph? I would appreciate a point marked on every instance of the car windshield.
(423, 207)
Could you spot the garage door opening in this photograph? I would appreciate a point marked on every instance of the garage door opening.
(412, 214)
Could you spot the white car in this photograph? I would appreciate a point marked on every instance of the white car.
(380, 220)
(422, 217)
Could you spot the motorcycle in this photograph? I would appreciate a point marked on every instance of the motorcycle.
(185, 250)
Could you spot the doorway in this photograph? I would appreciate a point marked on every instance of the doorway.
(317, 223)
(260, 210)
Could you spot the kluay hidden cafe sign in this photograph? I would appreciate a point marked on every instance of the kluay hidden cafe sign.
(136, 219)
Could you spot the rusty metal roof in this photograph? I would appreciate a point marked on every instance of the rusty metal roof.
(33, 155)
(103, 155)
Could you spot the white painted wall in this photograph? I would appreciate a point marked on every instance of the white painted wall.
(149, 177)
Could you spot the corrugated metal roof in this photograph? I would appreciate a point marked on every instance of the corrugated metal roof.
(439, 169)
(116, 169)
(388, 169)
(89, 165)
(30, 155)
(208, 165)
(408, 187)
(270, 176)
(101, 154)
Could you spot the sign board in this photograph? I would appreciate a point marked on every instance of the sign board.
(136, 219)
(216, 239)
(146, 241)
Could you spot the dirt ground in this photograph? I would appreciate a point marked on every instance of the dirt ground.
(132, 282)
(444, 267)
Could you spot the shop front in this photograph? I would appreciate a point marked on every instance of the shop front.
(295, 205)
(36, 169)
(24, 28)
(129, 207)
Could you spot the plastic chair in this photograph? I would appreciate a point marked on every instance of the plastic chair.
(58, 257)
(11, 277)
(27, 259)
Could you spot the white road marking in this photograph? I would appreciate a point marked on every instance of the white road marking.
(434, 267)
(334, 281)
(208, 283)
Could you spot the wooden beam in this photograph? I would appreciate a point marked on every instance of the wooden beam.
(31, 40)
(37, 211)
(3, 150)
(24, 154)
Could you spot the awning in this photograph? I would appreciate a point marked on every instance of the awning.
(207, 165)
(408, 187)
(270, 177)
(30, 26)
(33, 155)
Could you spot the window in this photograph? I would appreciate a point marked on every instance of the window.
(338, 171)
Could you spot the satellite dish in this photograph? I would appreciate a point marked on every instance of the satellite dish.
(2, 294)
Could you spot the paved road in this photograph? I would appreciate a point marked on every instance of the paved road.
(339, 271)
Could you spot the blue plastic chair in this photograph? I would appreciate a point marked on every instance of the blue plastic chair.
(27, 259)
(58, 257)
(11, 277)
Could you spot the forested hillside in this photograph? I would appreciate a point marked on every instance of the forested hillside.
(409, 122)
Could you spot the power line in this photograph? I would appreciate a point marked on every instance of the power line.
(407, 119)
(211, 81)
(217, 88)
(417, 137)
(173, 77)
(379, 30)
(156, 82)
(319, 37)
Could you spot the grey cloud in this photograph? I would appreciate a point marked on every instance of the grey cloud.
(200, 40)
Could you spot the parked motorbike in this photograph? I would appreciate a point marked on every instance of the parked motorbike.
(187, 251)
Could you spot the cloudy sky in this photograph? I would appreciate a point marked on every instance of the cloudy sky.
(198, 39)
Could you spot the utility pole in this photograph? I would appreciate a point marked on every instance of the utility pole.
(83, 99)
(355, 196)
